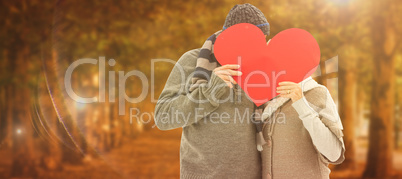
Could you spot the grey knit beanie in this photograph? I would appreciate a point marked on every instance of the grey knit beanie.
(247, 13)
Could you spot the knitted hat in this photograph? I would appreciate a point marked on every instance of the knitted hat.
(247, 13)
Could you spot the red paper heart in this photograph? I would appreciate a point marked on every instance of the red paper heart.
(291, 55)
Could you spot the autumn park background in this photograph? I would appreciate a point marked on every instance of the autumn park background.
(46, 134)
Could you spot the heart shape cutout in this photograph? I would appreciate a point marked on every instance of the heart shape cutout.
(291, 55)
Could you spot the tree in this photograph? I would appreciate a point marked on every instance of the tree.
(383, 33)
(347, 100)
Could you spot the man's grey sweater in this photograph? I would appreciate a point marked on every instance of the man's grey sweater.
(218, 139)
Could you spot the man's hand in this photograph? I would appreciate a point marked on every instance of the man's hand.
(290, 90)
(226, 72)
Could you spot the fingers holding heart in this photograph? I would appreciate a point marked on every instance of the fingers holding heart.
(290, 90)
(227, 78)
(226, 72)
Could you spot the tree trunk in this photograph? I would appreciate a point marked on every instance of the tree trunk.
(360, 112)
(379, 158)
(347, 111)
(9, 101)
(61, 59)
(23, 147)
(397, 124)
(347, 103)
(53, 146)
(399, 133)
(9, 116)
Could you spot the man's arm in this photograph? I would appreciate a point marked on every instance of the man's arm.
(177, 107)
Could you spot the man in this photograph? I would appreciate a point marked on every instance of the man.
(218, 139)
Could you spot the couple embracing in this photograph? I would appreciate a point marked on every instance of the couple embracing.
(295, 135)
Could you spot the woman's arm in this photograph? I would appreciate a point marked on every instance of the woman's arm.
(324, 140)
(319, 115)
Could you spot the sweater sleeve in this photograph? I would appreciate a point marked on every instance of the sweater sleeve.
(177, 106)
(326, 142)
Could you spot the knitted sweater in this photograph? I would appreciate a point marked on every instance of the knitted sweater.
(218, 138)
(300, 143)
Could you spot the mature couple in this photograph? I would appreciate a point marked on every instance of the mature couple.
(221, 138)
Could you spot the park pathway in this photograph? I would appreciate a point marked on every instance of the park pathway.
(153, 154)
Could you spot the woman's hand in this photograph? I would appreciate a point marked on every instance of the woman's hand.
(226, 72)
(290, 90)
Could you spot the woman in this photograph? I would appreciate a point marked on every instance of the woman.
(302, 131)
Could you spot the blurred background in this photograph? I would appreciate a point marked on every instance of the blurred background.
(44, 133)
